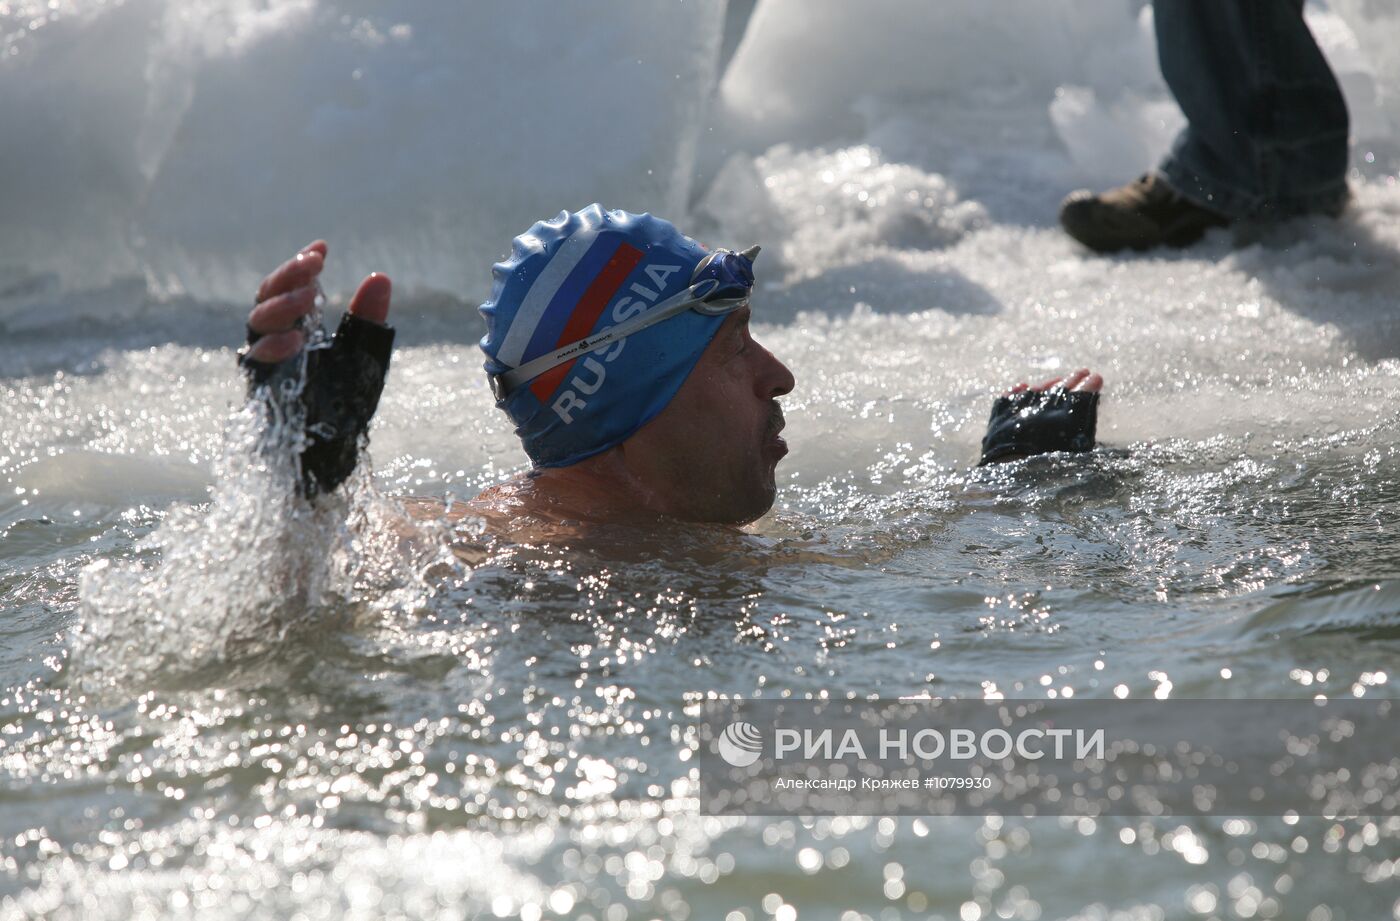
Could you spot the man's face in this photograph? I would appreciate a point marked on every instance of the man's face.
(710, 455)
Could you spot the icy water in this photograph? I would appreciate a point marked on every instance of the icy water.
(504, 740)
(215, 705)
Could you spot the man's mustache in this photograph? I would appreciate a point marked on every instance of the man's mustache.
(776, 422)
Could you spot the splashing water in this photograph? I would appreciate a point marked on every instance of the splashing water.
(235, 578)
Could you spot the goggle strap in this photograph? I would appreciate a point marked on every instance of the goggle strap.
(503, 384)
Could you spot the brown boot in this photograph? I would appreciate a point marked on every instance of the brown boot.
(1140, 215)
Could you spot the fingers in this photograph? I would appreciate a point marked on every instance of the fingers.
(1075, 379)
(302, 269)
(282, 311)
(1091, 384)
(275, 347)
(1080, 380)
(289, 293)
(371, 301)
(1066, 383)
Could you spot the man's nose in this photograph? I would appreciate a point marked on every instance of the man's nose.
(774, 379)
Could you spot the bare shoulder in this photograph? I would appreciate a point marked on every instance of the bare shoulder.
(449, 521)
(521, 509)
(423, 508)
(501, 497)
(498, 506)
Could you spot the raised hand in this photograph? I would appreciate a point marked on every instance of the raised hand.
(289, 293)
(343, 379)
(1059, 415)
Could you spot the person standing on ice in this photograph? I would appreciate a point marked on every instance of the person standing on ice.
(1266, 133)
(621, 351)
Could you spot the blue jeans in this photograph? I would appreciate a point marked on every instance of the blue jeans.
(1267, 126)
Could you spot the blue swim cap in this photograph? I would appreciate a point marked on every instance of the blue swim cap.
(569, 278)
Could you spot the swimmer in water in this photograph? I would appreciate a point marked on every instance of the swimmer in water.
(621, 350)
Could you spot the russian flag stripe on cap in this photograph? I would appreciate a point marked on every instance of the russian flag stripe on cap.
(585, 316)
(541, 295)
(566, 301)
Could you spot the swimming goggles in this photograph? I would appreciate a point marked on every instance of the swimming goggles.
(720, 285)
